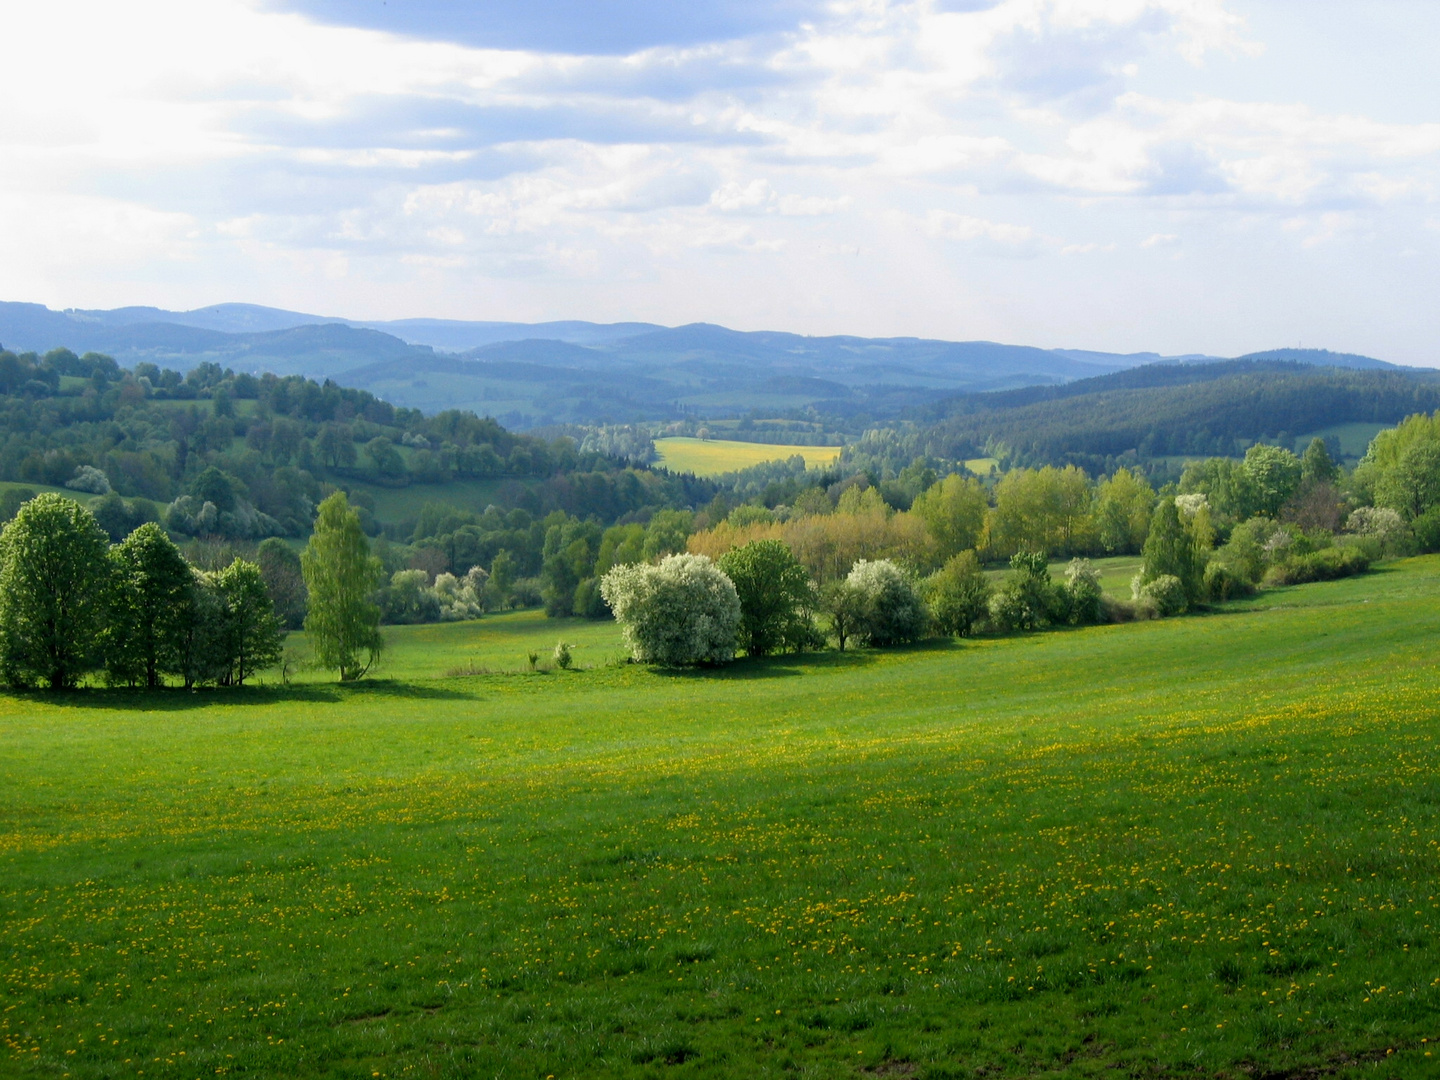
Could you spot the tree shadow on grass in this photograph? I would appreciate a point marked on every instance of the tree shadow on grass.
(793, 664)
(178, 699)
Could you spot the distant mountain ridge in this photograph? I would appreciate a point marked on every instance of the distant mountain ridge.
(533, 374)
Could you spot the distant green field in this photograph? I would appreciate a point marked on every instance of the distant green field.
(405, 503)
(78, 496)
(1354, 438)
(711, 457)
(982, 466)
(1206, 846)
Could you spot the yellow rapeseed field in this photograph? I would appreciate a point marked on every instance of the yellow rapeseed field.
(711, 457)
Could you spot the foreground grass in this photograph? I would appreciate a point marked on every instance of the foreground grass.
(1194, 847)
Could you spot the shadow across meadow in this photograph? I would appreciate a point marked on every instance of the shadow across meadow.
(790, 665)
(178, 699)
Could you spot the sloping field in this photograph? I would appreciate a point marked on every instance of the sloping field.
(1198, 847)
(711, 457)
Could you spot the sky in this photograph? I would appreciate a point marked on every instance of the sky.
(1216, 176)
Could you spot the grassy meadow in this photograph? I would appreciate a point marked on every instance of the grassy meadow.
(1196, 847)
(711, 457)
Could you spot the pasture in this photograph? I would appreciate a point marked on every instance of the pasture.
(712, 457)
(1196, 847)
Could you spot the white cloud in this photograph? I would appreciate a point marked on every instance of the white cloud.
(270, 153)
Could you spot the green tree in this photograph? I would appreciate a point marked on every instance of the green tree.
(954, 513)
(250, 632)
(149, 606)
(1316, 466)
(285, 582)
(844, 603)
(1027, 599)
(776, 596)
(1275, 473)
(682, 611)
(958, 595)
(1123, 504)
(1045, 509)
(340, 574)
(54, 593)
(1411, 485)
(1170, 551)
(892, 612)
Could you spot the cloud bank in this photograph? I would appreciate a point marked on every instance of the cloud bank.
(1014, 170)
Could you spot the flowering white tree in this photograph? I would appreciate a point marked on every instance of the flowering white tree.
(682, 611)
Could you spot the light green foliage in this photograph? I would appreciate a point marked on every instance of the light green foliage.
(682, 611)
(1027, 599)
(958, 595)
(1045, 509)
(1275, 474)
(1248, 551)
(409, 598)
(776, 597)
(1224, 583)
(149, 606)
(1123, 505)
(563, 659)
(54, 593)
(1411, 485)
(1166, 592)
(1228, 488)
(461, 597)
(892, 612)
(954, 513)
(343, 625)
(666, 533)
(249, 635)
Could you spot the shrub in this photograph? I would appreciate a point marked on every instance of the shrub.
(776, 596)
(1380, 522)
(1223, 583)
(89, 479)
(1166, 593)
(562, 656)
(1083, 594)
(682, 611)
(1326, 564)
(1027, 598)
(892, 613)
(1426, 531)
(958, 595)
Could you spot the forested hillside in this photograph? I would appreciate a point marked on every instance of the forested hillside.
(1160, 410)
(241, 457)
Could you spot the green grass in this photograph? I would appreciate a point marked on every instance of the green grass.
(1194, 847)
(82, 497)
(1354, 438)
(496, 643)
(711, 457)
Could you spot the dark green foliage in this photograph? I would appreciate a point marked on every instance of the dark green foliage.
(1316, 466)
(844, 604)
(1224, 583)
(149, 609)
(1426, 531)
(285, 582)
(776, 597)
(1192, 409)
(1027, 599)
(958, 595)
(1170, 551)
(1327, 564)
(54, 593)
(120, 517)
(249, 636)
(569, 558)
(11, 500)
(589, 601)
